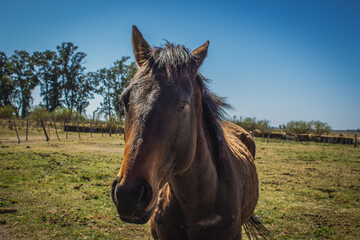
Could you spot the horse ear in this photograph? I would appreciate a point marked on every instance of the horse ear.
(141, 48)
(199, 54)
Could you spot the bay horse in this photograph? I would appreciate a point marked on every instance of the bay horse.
(184, 168)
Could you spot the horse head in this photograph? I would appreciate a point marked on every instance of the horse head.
(162, 109)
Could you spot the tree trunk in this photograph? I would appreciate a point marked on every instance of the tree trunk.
(47, 95)
(57, 135)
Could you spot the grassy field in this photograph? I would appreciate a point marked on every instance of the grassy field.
(61, 190)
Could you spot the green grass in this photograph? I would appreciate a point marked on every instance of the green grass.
(61, 190)
(309, 191)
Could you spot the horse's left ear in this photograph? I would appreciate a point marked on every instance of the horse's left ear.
(199, 54)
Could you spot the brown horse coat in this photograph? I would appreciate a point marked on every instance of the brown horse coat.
(186, 169)
(219, 213)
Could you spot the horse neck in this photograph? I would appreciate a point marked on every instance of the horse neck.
(194, 189)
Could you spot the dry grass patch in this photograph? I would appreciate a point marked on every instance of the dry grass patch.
(61, 190)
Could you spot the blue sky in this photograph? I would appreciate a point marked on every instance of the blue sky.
(275, 60)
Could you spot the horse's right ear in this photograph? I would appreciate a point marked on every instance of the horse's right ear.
(141, 48)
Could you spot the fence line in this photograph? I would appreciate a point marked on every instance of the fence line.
(27, 128)
(309, 137)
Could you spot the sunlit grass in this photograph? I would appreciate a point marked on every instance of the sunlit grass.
(61, 190)
(309, 190)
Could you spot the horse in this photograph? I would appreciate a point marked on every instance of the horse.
(185, 169)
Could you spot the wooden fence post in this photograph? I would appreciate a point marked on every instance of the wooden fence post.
(57, 135)
(355, 143)
(102, 129)
(67, 129)
(49, 128)
(27, 129)
(91, 128)
(78, 129)
(17, 134)
(43, 126)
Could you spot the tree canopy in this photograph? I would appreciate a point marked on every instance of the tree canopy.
(63, 81)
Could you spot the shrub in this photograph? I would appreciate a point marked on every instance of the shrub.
(302, 127)
(7, 112)
(38, 113)
(298, 127)
(251, 124)
(62, 114)
(320, 127)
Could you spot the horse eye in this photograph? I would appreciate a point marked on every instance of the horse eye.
(182, 106)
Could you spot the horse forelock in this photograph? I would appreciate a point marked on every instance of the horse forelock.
(172, 60)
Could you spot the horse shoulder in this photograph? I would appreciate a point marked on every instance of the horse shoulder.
(242, 147)
(232, 130)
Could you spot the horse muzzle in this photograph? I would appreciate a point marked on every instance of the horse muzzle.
(131, 202)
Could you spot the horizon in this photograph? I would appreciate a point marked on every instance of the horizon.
(279, 61)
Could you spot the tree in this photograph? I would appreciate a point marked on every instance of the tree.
(112, 83)
(71, 70)
(320, 127)
(7, 112)
(123, 73)
(107, 79)
(263, 126)
(21, 67)
(48, 72)
(302, 127)
(7, 86)
(249, 124)
(86, 91)
(298, 127)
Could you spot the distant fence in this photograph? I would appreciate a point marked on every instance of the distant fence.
(119, 130)
(26, 128)
(308, 137)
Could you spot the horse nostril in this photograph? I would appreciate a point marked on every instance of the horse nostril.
(129, 199)
(113, 186)
(146, 195)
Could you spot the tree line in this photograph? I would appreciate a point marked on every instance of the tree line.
(303, 127)
(63, 81)
(295, 127)
(251, 124)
